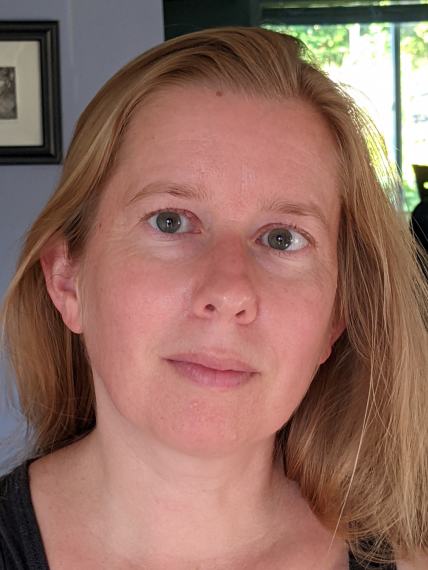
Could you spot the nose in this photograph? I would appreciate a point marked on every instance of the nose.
(226, 290)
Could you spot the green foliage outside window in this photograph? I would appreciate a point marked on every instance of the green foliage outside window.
(415, 42)
(331, 43)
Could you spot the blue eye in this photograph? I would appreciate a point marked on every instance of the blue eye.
(170, 222)
(284, 239)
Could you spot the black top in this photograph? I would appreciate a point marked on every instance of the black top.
(21, 546)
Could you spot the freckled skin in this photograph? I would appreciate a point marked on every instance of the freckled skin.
(216, 289)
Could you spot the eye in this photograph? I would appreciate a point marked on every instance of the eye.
(170, 222)
(284, 239)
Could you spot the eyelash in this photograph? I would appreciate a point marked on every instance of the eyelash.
(189, 215)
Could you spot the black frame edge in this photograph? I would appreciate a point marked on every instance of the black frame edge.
(47, 33)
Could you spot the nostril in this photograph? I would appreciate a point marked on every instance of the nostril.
(211, 308)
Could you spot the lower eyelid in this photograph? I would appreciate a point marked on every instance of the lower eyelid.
(290, 254)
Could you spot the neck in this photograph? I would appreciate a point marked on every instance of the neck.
(160, 500)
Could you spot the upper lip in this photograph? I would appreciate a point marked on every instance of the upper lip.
(213, 362)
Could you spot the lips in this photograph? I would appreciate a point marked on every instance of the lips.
(210, 371)
(213, 362)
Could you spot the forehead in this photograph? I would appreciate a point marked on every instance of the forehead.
(230, 145)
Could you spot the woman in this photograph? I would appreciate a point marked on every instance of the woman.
(218, 328)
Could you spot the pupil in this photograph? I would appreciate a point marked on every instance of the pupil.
(168, 222)
(280, 238)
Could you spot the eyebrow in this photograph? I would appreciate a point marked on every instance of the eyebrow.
(178, 190)
(303, 209)
(200, 194)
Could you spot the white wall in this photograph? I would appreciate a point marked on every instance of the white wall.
(97, 37)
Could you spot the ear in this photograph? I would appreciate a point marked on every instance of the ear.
(61, 282)
(335, 333)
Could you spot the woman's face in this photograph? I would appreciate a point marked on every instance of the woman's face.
(214, 249)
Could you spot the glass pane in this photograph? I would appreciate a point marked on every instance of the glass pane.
(414, 95)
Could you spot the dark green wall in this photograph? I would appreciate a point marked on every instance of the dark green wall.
(185, 16)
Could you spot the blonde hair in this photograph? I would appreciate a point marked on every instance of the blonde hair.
(357, 444)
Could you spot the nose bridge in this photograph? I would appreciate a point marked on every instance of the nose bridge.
(230, 254)
(226, 289)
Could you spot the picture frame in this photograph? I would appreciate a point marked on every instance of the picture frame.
(30, 97)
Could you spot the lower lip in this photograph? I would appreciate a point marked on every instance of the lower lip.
(223, 379)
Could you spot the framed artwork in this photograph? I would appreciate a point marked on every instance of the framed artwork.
(30, 101)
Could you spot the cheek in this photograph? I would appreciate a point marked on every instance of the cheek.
(297, 313)
(129, 311)
(128, 302)
(299, 330)
(300, 336)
